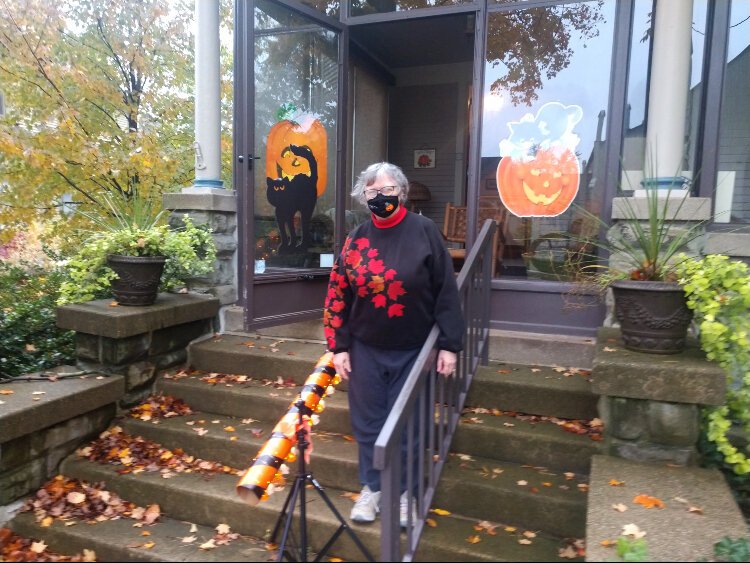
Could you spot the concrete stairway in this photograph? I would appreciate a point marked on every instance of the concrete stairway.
(525, 476)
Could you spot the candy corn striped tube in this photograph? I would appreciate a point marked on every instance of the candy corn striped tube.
(254, 484)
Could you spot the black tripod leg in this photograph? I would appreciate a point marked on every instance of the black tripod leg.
(298, 483)
(283, 513)
(344, 527)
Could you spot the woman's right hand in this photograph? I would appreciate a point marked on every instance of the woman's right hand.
(343, 364)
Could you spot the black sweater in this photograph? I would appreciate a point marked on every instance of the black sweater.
(391, 283)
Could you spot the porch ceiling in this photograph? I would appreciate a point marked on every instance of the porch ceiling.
(419, 42)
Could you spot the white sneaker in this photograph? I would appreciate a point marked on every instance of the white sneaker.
(366, 507)
(404, 511)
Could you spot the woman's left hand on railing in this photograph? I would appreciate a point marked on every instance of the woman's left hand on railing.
(446, 362)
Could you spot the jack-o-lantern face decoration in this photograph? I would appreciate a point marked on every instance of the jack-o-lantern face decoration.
(541, 185)
(304, 131)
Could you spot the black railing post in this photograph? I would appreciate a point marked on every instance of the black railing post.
(429, 407)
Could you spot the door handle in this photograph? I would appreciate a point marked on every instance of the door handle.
(250, 159)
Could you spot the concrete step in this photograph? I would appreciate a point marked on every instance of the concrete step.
(305, 330)
(194, 498)
(541, 349)
(252, 400)
(334, 457)
(542, 444)
(488, 489)
(533, 390)
(118, 540)
(258, 356)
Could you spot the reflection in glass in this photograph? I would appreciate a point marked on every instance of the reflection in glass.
(545, 115)
(732, 199)
(296, 86)
(364, 7)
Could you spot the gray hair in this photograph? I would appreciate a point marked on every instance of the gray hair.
(368, 176)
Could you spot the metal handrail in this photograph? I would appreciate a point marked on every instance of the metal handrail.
(428, 409)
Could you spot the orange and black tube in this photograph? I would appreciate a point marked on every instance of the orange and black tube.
(253, 486)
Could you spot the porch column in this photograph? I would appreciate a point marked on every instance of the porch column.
(206, 201)
(207, 95)
(668, 91)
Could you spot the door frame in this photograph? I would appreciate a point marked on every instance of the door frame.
(302, 281)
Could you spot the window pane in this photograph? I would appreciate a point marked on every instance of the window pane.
(328, 7)
(543, 133)
(733, 178)
(296, 92)
(364, 7)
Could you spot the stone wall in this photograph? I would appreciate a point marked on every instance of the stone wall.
(138, 342)
(650, 404)
(44, 421)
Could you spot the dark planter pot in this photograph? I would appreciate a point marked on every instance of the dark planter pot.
(138, 278)
(654, 316)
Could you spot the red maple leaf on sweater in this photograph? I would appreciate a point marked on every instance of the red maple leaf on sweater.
(395, 290)
(396, 310)
(379, 301)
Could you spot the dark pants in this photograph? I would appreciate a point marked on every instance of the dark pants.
(374, 384)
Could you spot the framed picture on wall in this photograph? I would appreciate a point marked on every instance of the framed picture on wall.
(424, 158)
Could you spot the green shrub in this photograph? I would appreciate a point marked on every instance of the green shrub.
(29, 339)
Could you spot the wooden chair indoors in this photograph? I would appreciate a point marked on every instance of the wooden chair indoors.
(454, 230)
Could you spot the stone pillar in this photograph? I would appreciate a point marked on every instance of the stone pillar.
(207, 95)
(669, 81)
(216, 208)
(651, 404)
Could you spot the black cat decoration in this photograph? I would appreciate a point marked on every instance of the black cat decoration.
(294, 193)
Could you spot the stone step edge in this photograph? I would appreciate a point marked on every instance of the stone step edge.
(118, 540)
(316, 517)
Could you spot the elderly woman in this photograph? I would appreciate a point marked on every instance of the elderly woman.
(392, 282)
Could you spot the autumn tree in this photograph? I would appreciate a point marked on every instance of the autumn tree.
(98, 99)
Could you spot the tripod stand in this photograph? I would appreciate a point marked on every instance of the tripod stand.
(298, 493)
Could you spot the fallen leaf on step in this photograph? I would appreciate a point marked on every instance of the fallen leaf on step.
(569, 475)
(695, 510)
(616, 483)
(583, 487)
(223, 529)
(229, 429)
(632, 530)
(529, 534)
(148, 545)
(6, 391)
(431, 523)
(567, 552)
(193, 528)
(524, 541)
(145, 533)
(208, 545)
(89, 555)
(473, 539)
(503, 371)
(608, 543)
(522, 483)
(440, 512)
(38, 547)
(152, 513)
(75, 497)
(189, 539)
(620, 507)
(608, 349)
(535, 370)
(648, 501)
(510, 529)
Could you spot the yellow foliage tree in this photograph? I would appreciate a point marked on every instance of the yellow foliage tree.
(98, 97)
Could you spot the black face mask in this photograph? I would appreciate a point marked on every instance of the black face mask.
(383, 205)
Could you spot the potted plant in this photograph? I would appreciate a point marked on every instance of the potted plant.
(132, 253)
(641, 270)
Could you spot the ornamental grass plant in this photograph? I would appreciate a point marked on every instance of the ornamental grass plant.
(129, 225)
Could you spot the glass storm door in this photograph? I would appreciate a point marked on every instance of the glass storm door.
(290, 161)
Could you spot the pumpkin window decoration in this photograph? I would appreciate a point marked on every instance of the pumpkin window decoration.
(539, 173)
(296, 173)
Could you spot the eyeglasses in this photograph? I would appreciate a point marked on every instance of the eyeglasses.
(385, 190)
